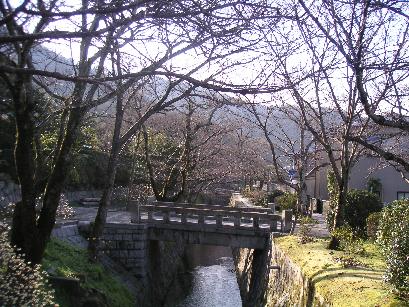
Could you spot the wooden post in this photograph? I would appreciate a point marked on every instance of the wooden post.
(150, 215)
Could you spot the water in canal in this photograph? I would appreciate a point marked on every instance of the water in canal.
(214, 281)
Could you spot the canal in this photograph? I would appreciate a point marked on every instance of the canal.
(213, 278)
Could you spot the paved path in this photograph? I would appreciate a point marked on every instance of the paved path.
(88, 214)
(67, 229)
(241, 201)
(319, 230)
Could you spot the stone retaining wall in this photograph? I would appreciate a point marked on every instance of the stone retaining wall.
(270, 278)
(127, 245)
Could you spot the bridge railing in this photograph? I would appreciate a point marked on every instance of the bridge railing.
(213, 207)
(205, 216)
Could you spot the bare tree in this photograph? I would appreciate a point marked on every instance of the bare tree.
(323, 88)
(293, 148)
(371, 38)
(188, 133)
(214, 41)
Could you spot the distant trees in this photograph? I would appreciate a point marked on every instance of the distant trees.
(293, 149)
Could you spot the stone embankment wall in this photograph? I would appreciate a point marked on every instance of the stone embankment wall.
(269, 278)
(127, 245)
(159, 266)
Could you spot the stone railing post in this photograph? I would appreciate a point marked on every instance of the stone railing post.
(200, 219)
(237, 221)
(219, 220)
(183, 218)
(272, 206)
(286, 219)
(166, 217)
(273, 225)
(256, 222)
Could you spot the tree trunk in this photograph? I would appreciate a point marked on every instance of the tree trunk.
(57, 178)
(100, 219)
(339, 214)
(24, 233)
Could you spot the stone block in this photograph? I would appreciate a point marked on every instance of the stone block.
(114, 253)
(137, 253)
(127, 237)
(140, 237)
(107, 237)
(139, 245)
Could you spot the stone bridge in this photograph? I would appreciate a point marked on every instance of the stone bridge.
(248, 227)
(210, 224)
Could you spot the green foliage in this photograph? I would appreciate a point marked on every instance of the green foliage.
(69, 261)
(89, 162)
(272, 196)
(333, 192)
(20, 283)
(287, 201)
(350, 242)
(374, 185)
(304, 233)
(393, 237)
(246, 192)
(372, 224)
(64, 210)
(359, 205)
(257, 197)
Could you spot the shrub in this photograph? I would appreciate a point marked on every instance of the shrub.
(393, 237)
(258, 198)
(20, 283)
(287, 201)
(374, 185)
(304, 233)
(7, 211)
(273, 195)
(372, 224)
(349, 241)
(359, 205)
(64, 210)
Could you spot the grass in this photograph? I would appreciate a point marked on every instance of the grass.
(70, 261)
(358, 286)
